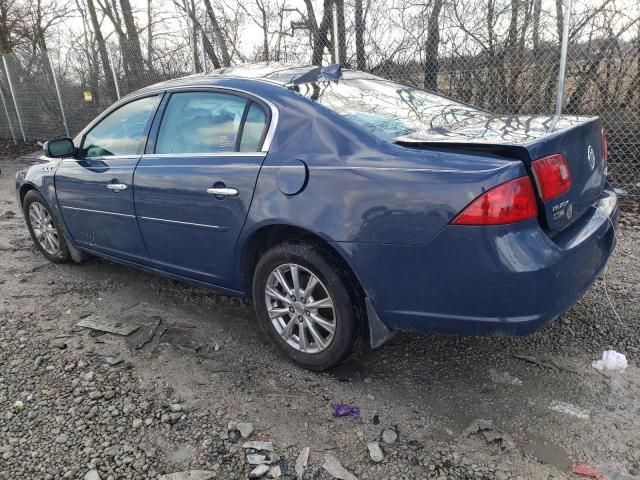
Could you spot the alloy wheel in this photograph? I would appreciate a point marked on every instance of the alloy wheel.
(300, 308)
(43, 228)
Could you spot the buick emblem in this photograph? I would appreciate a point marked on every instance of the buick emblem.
(591, 156)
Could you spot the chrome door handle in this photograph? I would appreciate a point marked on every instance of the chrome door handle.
(116, 187)
(223, 191)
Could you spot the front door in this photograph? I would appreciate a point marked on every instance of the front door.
(193, 191)
(95, 190)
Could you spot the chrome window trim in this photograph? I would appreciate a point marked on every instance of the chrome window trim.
(102, 157)
(202, 225)
(203, 155)
(98, 211)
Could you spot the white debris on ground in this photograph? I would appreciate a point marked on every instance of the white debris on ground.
(611, 360)
(375, 452)
(335, 468)
(301, 462)
(504, 378)
(569, 409)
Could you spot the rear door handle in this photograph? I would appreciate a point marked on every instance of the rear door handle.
(116, 187)
(223, 191)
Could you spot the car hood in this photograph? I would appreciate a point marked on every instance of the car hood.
(479, 127)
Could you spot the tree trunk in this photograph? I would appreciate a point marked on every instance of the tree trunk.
(431, 65)
(319, 33)
(361, 63)
(102, 50)
(538, 62)
(133, 53)
(217, 31)
(149, 37)
(197, 64)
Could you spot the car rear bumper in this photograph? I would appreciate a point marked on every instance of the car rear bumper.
(497, 280)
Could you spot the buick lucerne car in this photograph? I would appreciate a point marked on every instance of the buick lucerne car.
(347, 206)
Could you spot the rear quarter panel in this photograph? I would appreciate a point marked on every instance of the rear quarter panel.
(361, 189)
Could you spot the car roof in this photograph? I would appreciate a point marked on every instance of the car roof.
(271, 72)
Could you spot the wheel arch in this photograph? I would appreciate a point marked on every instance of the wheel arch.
(24, 189)
(268, 236)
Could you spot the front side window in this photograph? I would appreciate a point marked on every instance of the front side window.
(121, 132)
(200, 122)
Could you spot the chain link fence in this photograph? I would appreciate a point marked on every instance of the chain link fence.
(505, 57)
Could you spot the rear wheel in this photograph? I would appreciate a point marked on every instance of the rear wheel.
(304, 305)
(44, 228)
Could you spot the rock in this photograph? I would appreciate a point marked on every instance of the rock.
(95, 394)
(375, 452)
(257, 459)
(259, 445)
(334, 467)
(89, 376)
(274, 472)
(389, 436)
(245, 429)
(490, 434)
(301, 462)
(232, 426)
(62, 438)
(109, 394)
(58, 343)
(175, 407)
(259, 471)
(92, 475)
(137, 423)
(189, 475)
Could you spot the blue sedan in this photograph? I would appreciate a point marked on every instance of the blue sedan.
(349, 207)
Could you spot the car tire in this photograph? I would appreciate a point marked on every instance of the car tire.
(321, 337)
(44, 228)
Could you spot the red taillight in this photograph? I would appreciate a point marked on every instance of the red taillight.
(509, 202)
(605, 152)
(552, 176)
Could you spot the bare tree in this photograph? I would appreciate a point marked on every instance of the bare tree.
(361, 62)
(431, 45)
(102, 48)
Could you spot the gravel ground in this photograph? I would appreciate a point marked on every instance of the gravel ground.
(437, 406)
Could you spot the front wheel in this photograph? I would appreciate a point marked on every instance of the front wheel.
(43, 226)
(304, 305)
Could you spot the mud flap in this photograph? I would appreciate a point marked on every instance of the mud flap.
(379, 334)
(77, 255)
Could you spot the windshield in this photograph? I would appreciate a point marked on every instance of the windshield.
(387, 109)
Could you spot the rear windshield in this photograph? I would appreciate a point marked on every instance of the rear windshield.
(387, 109)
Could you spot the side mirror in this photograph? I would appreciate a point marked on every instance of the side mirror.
(59, 147)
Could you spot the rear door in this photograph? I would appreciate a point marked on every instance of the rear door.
(95, 190)
(194, 186)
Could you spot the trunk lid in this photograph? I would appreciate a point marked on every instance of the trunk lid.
(529, 138)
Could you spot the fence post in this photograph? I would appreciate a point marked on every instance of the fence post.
(336, 51)
(113, 72)
(13, 96)
(563, 60)
(6, 112)
(55, 82)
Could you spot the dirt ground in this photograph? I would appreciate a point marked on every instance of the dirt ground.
(199, 362)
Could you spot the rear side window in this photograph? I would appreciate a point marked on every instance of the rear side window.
(253, 129)
(120, 132)
(200, 122)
